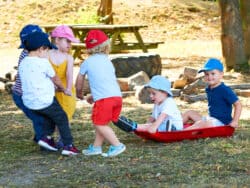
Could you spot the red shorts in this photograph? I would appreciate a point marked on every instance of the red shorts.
(106, 110)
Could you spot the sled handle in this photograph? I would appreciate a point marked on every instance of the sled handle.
(194, 133)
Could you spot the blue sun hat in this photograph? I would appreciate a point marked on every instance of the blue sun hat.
(212, 64)
(28, 29)
(36, 40)
(160, 83)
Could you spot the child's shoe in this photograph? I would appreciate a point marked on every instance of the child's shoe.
(70, 150)
(115, 150)
(126, 124)
(92, 150)
(47, 143)
(59, 143)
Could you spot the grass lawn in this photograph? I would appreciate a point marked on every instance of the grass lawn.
(217, 162)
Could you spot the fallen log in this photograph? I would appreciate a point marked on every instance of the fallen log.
(240, 86)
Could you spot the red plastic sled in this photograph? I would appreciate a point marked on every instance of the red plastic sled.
(222, 131)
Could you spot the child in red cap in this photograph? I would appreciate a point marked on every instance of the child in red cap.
(106, 93)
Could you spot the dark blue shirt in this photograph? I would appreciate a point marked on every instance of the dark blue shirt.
(220, 101)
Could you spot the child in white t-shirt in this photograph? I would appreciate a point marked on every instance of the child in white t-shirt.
(165, 116)
(38, 85)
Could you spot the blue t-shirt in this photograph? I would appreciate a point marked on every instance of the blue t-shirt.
(220, 101)
(101, 76)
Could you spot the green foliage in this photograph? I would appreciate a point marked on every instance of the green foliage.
(86, 17)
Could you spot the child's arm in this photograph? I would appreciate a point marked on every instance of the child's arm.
(79, 85)
(69, 76)
(237, 112)
(154, 126)
(56, 80)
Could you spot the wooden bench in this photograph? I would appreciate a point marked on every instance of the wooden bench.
(78, 49)
(134, 46)
(116, 34)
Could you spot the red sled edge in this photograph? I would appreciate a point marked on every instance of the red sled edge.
(175, 136)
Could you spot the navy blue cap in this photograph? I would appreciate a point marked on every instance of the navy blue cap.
(28, 29)
(36, 40)
(212, 64)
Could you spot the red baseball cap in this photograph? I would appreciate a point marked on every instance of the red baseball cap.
(95, 38)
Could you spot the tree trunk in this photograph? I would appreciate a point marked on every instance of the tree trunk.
(105, 11)
(232, 35)
(245, 14)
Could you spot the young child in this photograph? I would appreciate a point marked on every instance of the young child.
(220, 100)
(38, 79)
(37, 120)
(165, 116)
(105, 91)
(63, 63)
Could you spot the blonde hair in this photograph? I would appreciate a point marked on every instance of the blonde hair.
(101, 48)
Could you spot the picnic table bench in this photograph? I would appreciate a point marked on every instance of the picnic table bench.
(116, 33)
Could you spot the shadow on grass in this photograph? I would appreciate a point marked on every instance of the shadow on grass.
(199, 163)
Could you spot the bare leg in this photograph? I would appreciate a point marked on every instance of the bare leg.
(201, 124)
(142, 127)
(107, 133)
(147, 127)
(191, 115)
(99, 139)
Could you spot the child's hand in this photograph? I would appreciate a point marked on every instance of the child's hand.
(90, 99)
(67, 92)
(59, 89)
(234, 124)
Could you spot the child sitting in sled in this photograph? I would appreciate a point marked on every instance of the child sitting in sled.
(221, 100)
(165, 115)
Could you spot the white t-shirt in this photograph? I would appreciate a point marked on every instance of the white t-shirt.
(38, 89)
(169, 107)
(101, 76)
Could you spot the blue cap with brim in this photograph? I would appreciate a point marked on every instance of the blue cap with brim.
(28, 29)
(36, 40)
(212, 64)
(160, 83)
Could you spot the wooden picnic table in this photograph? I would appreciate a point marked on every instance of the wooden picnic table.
(116, 33)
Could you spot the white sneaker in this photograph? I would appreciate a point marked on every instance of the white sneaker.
(48, 143)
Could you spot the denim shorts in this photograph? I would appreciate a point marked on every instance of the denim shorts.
(167, 127)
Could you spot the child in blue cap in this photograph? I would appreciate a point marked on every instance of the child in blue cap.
(36, 119)
(220, 98)
(165, 115)
(38, 81)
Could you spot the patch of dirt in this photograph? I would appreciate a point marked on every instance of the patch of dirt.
(166, 19)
